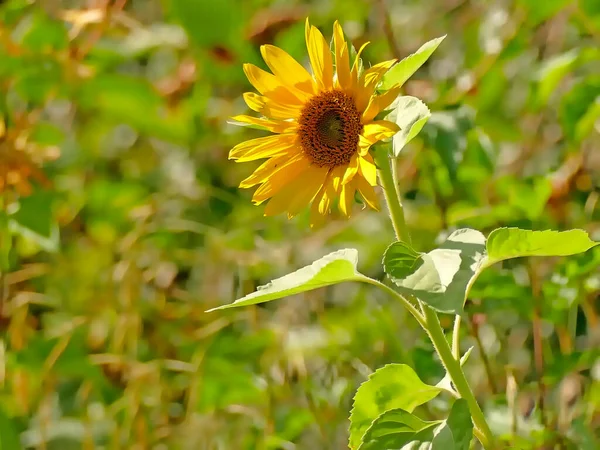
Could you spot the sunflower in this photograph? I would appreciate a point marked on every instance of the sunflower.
(323, 125)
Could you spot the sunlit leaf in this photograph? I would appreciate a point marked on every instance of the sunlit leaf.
(395, 386)
(395, 428)
(409, 65)
(411, 115)
(443, 276)
(334, 268)
(506, 243)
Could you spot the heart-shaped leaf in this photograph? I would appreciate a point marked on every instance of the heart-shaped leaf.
(395, 428)
(410, 114)
(402, 259)
(442, 278)
(333, 268)
(409, 65)
(394, 386)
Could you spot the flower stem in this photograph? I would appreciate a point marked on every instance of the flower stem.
(457, 375)
(387, 176)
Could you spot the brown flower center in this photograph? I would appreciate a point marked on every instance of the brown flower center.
(329, 128)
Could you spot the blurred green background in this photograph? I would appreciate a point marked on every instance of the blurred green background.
(131, 224)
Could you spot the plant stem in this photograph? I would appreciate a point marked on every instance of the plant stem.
(407, 304)
(457, 375)
(431, 324)
(387, 176)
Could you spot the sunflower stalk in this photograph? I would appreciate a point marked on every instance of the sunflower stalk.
(451, 362)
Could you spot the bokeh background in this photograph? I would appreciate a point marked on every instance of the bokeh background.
(122, 224)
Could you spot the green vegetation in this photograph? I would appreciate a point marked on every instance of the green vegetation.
(121, 225)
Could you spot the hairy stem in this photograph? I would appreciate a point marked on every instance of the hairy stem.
(452, 365)
(390, 190)
(431, 322)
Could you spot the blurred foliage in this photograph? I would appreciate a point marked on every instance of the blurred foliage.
(121, 224)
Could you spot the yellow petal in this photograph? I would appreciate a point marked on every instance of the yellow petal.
(266, 169)
(379, 103)
(351, 169)
(297, 194)
(264, 147)
(342, 58)
(328, 194)
(336, 175)
(276, 126)
(279, 179)
(379, 68)
(347, 199)
(316, 218)
(367, 192)
(373, 132)
(378, 130)
(320, 57)
(363, 145)
(287, 70)
(355, 67)
(268, 85)
(368, 169)
(369, 81)
(271, 108)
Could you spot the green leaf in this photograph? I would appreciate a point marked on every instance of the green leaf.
(46, 133)
(447, 132)
(506, 243)
(456, 432)
(334, 268)
(208, 22)
(552, 72)
(539, 11)
(42, 33)
(576, 103)
(587, 123)
(34, 219)
(442, 278)
(402, 259)
(411, 115)
(9, 437)
(409, 65)
(394, 386)
(131, 100)
(395, 428)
